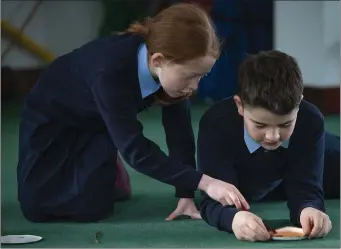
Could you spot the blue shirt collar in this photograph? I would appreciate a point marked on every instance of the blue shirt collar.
(148, 85)
(252, 145)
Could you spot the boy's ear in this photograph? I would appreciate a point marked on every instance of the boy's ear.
(239, 105)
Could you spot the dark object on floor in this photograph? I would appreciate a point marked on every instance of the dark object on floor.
(327, 99)
(7, 81)
(16, 83)
(98, 236)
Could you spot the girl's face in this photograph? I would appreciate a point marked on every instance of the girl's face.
(180, 80)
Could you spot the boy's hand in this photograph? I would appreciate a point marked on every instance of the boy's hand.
(315, 223)
(186, 206)
(248, 226)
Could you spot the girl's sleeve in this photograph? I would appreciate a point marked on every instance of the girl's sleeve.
(114, 101)
(176, 120)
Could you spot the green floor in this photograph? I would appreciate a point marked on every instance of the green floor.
(140, 222)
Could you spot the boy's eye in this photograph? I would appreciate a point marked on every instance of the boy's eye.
(260, 126)
(285, 125)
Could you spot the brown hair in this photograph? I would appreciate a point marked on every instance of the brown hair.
(180, 32)
(271, 80)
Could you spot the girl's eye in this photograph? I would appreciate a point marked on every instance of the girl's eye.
(260, 126)
(195, 77)
(202, 76)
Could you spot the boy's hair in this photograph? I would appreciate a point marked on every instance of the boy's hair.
(181, 32)
(271, 80)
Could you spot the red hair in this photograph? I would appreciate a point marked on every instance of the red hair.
(181, 32)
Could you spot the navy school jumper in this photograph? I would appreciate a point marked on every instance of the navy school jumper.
(304, 170)
(83, 110)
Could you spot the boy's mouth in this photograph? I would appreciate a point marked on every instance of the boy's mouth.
(271, 144)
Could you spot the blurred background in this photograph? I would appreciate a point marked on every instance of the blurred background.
(35, 32)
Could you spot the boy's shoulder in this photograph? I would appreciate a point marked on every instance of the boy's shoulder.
(222, 114)
(308, 117)
(309, 127)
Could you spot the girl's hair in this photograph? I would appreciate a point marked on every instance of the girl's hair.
(181, 32)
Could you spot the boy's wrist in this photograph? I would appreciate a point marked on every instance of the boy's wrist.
(310, 204)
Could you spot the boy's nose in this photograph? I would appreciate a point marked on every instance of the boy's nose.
(272, 135)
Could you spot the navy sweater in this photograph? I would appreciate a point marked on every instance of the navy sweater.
(95, 90)
(222, 153)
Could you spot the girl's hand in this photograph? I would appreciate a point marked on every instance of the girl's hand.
(223, 192)
(186, 206)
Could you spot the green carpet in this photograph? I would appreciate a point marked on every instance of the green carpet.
(140, 222)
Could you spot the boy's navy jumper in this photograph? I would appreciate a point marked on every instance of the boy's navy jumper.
(294, 171)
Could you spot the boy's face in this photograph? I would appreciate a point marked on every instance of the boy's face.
(268, 129)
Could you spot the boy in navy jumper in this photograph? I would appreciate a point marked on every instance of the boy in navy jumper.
(83, 112)
(270, 143)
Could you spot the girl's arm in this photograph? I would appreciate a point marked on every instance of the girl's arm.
(176, 119)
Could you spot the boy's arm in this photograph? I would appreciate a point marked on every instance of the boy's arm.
(176, 120)
(303, 182)
(215, 159)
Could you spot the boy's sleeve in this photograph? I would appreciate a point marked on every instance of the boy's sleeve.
(176, 120)
(115, 103)
(215, 158)
(304, 180)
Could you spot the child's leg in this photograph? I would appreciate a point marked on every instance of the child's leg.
(77, 185)
(331, 177)
(120, 192)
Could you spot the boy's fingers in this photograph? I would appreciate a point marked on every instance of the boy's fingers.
(318, 225)
(322, 233)
(261, 225)
(306, 225)
(248, 237)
